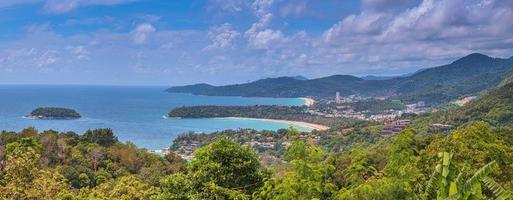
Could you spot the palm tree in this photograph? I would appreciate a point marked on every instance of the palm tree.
(445, 184)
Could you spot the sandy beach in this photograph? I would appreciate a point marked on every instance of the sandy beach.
(308, 101)
(296, 123)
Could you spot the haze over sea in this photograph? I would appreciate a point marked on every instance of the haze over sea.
(135, 113)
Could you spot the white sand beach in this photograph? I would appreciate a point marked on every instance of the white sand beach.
(295, 123)
(308, 101)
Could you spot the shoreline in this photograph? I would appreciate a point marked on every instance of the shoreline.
(296, 123)
(308, 101)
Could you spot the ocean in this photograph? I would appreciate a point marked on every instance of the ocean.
(135, 113)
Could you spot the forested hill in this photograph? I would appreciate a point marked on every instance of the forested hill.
(495, 108)
(468, 75)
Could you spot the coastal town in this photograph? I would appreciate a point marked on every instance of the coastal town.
(342, 107)
(387, 115)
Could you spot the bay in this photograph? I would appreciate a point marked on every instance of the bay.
(135, 113)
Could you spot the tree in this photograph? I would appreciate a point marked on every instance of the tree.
(48, 185)
(124, 188)
(377, 189)
(177, 187)
(475, 144)
(308, 178)
(360, 169)
(402, 159)
(23, 178)
(447, 183)
(103, 136)
(228, 165)
(220, 170)
(21, 169)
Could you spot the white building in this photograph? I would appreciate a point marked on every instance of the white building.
(337, 97)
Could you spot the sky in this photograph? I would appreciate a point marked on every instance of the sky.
(177, 42)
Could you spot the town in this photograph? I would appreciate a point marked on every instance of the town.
(380, 108)
(382, 111)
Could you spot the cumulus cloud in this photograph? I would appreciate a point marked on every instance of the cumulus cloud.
(380, 37)
(293, 8)
(259, 36)
(40, 59)
(262, 7)
(222, 37)
(233, 6)
(430, 31)
(64, 6)
(141, 33)
(388, 5)
(266, 38)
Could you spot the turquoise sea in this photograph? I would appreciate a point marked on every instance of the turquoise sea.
(135, 113)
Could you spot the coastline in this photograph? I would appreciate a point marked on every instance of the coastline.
(296, 123)
(308, 101)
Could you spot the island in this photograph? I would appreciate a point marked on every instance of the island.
(54, 113)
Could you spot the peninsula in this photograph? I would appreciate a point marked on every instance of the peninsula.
(54, 113)
(296, 115)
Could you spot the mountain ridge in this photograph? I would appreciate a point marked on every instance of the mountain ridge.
(468, 75)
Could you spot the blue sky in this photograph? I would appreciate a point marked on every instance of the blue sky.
(174, 42)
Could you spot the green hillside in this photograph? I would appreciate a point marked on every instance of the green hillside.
(494, 108)
(468, 75)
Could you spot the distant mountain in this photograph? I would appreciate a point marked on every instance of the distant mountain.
(287, 87)
(374, 77)
(377, 78)
(468, 75)
(301, 78)
(194, 89)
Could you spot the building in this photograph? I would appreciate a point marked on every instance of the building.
(395, 127)
(441, 127)
(337, 98)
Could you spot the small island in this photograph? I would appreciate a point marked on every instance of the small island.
(53, 113)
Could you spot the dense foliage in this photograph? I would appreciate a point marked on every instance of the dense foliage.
(292, 113)
(53, 165)
(50, 164)
(259, 111)
(54, 113)
(494, 108)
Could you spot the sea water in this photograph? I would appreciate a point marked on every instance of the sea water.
(135, 113)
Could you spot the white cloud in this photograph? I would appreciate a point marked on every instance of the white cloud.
(80, 52)
(141, 33)
(41, 59)
(266, 39)
(430, 32)
(262, 7)
(222, 37)
(293, 8)
(385, 36)
(64, 6)
(258, 35)
(233, 6)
